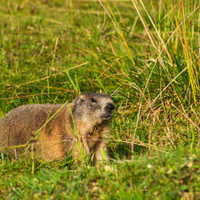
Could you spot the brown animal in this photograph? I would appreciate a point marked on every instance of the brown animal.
(78, 128)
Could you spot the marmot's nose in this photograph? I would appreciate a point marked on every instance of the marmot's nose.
(110, 106)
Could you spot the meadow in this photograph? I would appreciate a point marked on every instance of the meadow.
(145, 54)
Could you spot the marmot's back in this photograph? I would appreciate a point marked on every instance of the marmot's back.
(20, 124)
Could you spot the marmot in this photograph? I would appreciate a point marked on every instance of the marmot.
(77, 128)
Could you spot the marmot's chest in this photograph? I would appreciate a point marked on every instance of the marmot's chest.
(94, 137)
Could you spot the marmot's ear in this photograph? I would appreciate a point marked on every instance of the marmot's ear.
(81, 98)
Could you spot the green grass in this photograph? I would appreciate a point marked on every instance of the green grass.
(161, 176)
(145, 54)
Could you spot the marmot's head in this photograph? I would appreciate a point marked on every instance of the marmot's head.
(93, 108)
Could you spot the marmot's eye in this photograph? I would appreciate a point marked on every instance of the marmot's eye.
(93, 100)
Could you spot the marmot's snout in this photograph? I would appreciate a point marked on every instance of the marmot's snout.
(110, 106)
(109, 110)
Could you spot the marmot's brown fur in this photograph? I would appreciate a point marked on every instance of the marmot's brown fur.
(78, 128)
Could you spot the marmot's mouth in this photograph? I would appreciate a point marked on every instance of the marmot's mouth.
(106, 116)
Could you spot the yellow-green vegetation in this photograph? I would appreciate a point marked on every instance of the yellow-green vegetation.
(145, 54)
